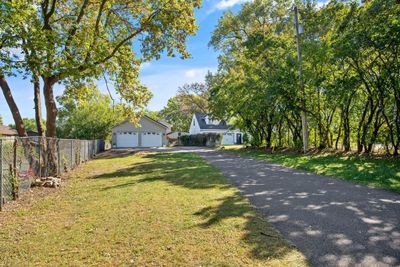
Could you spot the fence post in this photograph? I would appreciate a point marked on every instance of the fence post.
(40, 157)
(1, 175)
(58, 157)
(13, 170)
(72, 153)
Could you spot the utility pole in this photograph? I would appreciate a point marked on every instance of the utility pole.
(304, 122)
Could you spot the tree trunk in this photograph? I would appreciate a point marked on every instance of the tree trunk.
(28, 149)
(377, 126)
(19, 124)
(51, 132)
(346, 129)
(280, 133)
(339, 134)
(51, 107)
(38, 105)
(268, 135)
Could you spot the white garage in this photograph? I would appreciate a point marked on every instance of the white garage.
(146, 133)
(127, 139)
(228, 139)
(151, 139)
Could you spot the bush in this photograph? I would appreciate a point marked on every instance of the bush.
(246, 138)
(208, 139)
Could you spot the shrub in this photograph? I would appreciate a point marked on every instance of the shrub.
(208, 139)
(246, 138)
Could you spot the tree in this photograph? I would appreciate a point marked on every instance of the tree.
(153, 114)
(254, 80)
(1, 120)
(85, 113)
(194, 96)
(30, 124)
(189, 99)
(65, 40)
(175, 115)
(351, 71)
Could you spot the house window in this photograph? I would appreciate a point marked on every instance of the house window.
(194, 122)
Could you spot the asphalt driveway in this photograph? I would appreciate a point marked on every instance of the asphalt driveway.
(333, 222)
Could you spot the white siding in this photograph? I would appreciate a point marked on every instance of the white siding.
(194, 126)
(145, 125)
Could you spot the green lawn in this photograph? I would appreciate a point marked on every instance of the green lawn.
(375, 172)
(146, 209)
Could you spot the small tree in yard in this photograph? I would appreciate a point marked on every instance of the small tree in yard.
(88, 115)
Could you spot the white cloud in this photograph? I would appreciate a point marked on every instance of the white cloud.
(145, 65)
(197, 74)
(224, 4)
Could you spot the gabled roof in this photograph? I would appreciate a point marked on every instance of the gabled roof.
(201, 119)
(165, 123)
(156, 121)
(5, 130)
(147, 117)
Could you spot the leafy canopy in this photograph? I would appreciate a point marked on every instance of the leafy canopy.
(86, 113)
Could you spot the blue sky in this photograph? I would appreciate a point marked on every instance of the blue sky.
(162, 77)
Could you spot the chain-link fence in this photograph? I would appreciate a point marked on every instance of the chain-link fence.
(22, 160)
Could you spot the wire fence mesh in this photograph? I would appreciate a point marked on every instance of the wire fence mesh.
(22, 160)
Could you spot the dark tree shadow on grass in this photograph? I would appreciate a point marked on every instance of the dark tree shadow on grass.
(188, 171)
(265, 242)
(380, 172)
(115, 153)
(178, 169)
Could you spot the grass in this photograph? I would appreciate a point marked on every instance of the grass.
(381, 173)
(145, 209)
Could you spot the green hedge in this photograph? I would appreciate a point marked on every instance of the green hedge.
(208, 139)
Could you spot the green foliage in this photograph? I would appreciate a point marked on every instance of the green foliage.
(30, 124)
(246, 138)
(68, 41)
(1, 120)
(179, 110)
(153, 114)
(209, 139)
(85, 113)
(351, 72)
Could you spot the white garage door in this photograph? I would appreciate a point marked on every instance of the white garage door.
(228, 139)
(127, 139)
(151, 139)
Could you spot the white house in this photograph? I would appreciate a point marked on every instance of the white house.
(202, 123)
(149, 133)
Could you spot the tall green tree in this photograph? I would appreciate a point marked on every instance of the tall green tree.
(190, 98)
(64, 40)
(351, 73)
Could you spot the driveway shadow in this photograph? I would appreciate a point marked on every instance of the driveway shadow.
(334, 222)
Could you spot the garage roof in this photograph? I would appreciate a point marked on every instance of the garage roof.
(149, 118)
